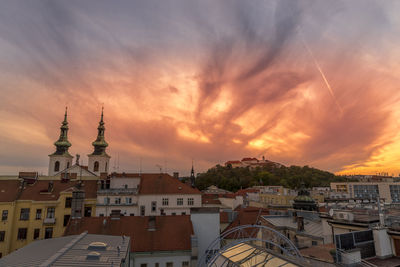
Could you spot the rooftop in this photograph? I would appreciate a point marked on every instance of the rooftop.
(170, 232)
(69, 251)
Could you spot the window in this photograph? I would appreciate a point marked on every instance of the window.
(106, 200)
(66, 219)
(67, 165)
(117, 200)
(2, 235)
(132, 214)
(106, 167)
(22, 233)
(143, 265)
(57, 166)
(4, 215)
(156, 264)
(314, 243)
(185, 264)
(68, 202)
(101, 215)
(183, 213)
(96, 166)
(36, 233)
(48, 232)
(128, 200)
(169, 264)
(125, 186)
(179, 201)
(142, 210)
(51, 213)
(165, 201)
(153, 206)
(24, 216)
(190, 201)
(88, 211)
(38, 214)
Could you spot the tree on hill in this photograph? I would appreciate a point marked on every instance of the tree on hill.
(233, 179)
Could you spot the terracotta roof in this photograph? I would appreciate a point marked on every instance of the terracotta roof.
(158, 184)
(248, 215)
(9, 190)
(38, 190)
(210, 201)
(249, 159)
(243, 192)
(223, 217)
(171, 232)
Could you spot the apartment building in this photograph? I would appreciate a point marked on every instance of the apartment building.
(390, 192)
(146, 194)
(39, 209)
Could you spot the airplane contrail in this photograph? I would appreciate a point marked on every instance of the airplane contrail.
(320, 71)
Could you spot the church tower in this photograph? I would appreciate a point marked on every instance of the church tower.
(61, 159)
(192, 177)
(99, 160)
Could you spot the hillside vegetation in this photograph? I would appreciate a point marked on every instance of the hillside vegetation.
(233, 179)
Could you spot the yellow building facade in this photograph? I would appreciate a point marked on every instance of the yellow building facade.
(39, 210)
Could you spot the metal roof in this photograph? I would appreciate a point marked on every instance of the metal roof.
(70, 251)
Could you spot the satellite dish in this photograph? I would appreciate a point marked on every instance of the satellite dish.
(331, 212)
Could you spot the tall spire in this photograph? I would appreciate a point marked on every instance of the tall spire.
(100, 143)
(62, 144)
(192, 177)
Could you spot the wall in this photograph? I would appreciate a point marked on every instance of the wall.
(145, 200)
(206, 226)
(121, 182)
(151, 259)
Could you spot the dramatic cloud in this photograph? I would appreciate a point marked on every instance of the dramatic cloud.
(301, 82)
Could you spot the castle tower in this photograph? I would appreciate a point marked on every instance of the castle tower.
(99, 160)
(61, 159)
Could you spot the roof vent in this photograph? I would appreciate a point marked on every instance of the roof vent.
(97, 246)
(93, 255)
(180, 187)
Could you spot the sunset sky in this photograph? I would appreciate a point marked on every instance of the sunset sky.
(302, 82)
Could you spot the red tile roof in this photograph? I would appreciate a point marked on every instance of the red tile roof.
(249, 159)
(171, 232)
(243, 192)
(223, 217)
(248, 215)
(9, 190)
(38, 190)
(158, 184)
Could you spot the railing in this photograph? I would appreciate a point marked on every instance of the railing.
(120, 204)
(49, 221)
(343, 258)
(117, 191)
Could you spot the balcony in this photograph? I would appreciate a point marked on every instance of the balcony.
(49, 221)
(115, 205)
(117, 191)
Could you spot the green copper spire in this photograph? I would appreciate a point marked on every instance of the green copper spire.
(100, 143)
(62, 144)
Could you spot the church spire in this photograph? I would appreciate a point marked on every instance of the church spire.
(192, 177)
(62, 144)
(100, 143)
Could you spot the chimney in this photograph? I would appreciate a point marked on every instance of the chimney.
(300, 224)
(115, 214)
(152, 223)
